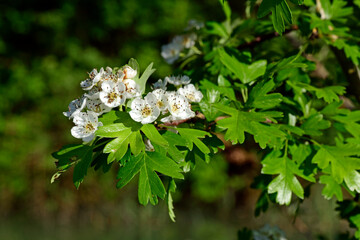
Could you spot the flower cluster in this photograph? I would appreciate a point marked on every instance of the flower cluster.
(105, 89)
(171, 52)
(108, 89)
(172, 105)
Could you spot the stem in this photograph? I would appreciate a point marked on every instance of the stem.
(244, 93)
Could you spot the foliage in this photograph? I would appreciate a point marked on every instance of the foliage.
(259, 87)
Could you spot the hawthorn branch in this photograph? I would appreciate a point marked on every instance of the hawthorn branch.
(351, 71)
(265, 37)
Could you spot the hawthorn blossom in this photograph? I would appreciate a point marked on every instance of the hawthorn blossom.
(189, 91)
(161, 99)
(194, 24)
(75, 107)
(86, 125)
(129, 73)
(171, 52)
(112, 94)
(97, 106)
(92, 80)
(178, 80)
(131, 88)
(178, 107)
(145, 110)
(160, 84)
(186, 41)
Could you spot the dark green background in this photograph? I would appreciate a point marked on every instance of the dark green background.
(46, 49)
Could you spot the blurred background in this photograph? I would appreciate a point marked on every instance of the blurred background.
(46, 49)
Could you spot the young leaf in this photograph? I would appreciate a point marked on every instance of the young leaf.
(246, 73)
(286, 182)
(331, 188)
(75, 153)
(153, 134)
(118, 147)
(343, 166)
(240, 122)
(314, 124)
(193, 137)
(350, 121)
(169, 200)
(112, 130)
(82, 166)
(144, 77)
(280, 13)
(150, 185)
(259, 97)
(175, 140)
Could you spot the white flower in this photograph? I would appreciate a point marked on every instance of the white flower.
(129, 72)
(187, 40)
(89, 83)
(160, 84)
(112, 94)
(97, 106)
(194, 24)
(131, 88)
(178, 80)
(86, 125)
(190, 92)
(179, 107)
(161, 99)
(75, 107)
(144, 111)
(171, 52)
(95, 77)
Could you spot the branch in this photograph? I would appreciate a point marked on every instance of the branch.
(265, 37)
(351, 71)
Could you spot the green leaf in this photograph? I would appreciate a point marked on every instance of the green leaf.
(331, 188)
(136, 143)
(246, 73)
(240, 122)
(216, 28)
(315, 124)
(169, 200)
(350, 121)
(78, 154)
(259, 97)
(144, 77)
(329, 94)
(112, 130)
(343, 165)
(226, 9)
(150, 185)
(118, 147)
(153, 134)
(286, 182)
(175, 140)
(356, 221)
(280, 13)
(82, 166)
(193, 136)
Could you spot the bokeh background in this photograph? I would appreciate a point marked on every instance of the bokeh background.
(46, 49)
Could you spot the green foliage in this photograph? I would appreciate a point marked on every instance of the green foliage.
(285, 98)
(286, 182)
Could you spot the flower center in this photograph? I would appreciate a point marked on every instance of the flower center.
(89, 127)
(146, 111)
(160, 104)
(190, 96)
(175, 107)
(112, 96)
(97, 108)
